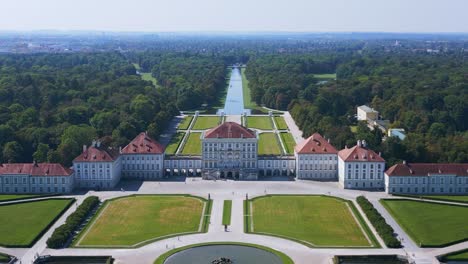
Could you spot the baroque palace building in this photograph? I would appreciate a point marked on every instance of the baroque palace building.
(230, 151)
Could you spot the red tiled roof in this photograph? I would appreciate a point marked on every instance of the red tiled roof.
(95, 154)
(425, 169)
(143, 144)
(358, 153)
(230, 130)
(315, 144)
(35, 169)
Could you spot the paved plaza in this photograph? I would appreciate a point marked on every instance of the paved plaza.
(235, 191)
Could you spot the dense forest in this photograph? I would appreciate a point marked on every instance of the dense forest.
(52, 104)
(424, 94)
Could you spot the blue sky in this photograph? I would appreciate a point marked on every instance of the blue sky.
(237, 15)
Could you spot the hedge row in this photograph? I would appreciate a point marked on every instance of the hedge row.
(61, 235)
(385, 230)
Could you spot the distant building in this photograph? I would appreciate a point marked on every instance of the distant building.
(229, 151)
(316, 159)
(97, 167)
(360, 168)
(143, 158)
(371, 116)
(397, 132)
(365, 113)
(35, 178)
(427, 178)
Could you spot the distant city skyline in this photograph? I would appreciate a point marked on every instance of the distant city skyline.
(415, 16)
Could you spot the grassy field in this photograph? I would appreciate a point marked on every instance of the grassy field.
(6, 197)
(174, 143)
(430, 224)
(325, 76)
(227, 212)
(4, 257)
(315, 220)
(268, 144)
(456, 256)
(21, 223)
(205, 122)
(288, 141)
(185, 123)
(248, 102)
(192, 145)
(280, 123)
(259, 122)
(146, 75)
(134, 219)
(455, 198)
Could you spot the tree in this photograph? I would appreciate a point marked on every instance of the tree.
(40, 155)
(12, 152)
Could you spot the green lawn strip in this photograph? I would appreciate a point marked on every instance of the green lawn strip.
(461, 255)
(16, 197)
(284, 258)
(445, 198)
(23, 223)
(325, 76)
(268, 144)
(248, 102)
(205, 122)
(246, 216)
(184, 125)
(227, 207)
(174, 143)
(288, 141)
(136, 220)
(259, 122)
(313, 220)
(430, 224)
(193, 145)
(280, 123)
(4, 258)
(207, 215)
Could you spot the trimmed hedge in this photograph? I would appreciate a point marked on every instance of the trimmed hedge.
(385, 230)
(63, 233)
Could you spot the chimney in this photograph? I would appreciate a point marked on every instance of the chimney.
(380, 154)
(84, 148)
(328, 140)
(359, 143)
(120, 150)
(35, 163)
(98, 143)
(93, 144)
(404, 162)
(364, 143)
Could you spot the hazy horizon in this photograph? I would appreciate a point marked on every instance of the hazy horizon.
(242, 16)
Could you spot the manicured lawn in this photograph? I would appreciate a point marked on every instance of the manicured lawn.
(268, 144)
(205, 122)
(430, 224)
(455, 198)
(21, 223)
(227, 212)
(146, 75)
(192, 145)
(174, 143)
(185, 123)
(248, 102)
(325, 76)
(315, 220)
(288, 141)
(456, 256)
(4, 257)
(6, 197)
(134, 219)
(259, 122)
(280, 123)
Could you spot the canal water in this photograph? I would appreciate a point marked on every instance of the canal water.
(234, 104)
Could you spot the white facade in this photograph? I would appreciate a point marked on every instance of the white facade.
(433, 184)
(365, 113)
(98, 175)
(24, 183)
(142, 166)
(317, 166)
(276, 166)
(361, 175)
